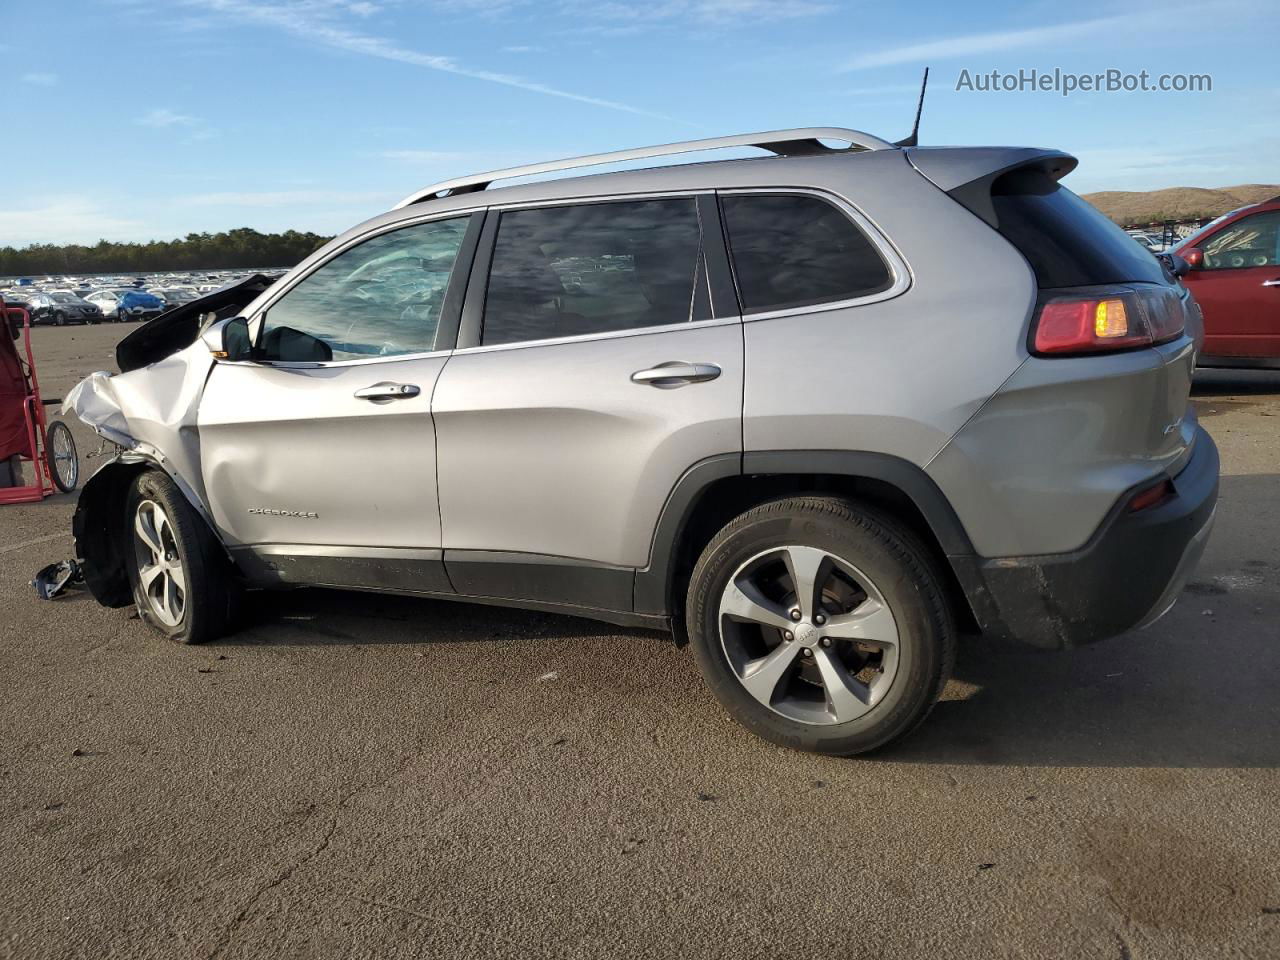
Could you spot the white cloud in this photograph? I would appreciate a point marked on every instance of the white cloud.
(317, 21)
(523, 48)
(971, 44)
(69, 219)
(40, 79)
(163, 118)
(719, 12)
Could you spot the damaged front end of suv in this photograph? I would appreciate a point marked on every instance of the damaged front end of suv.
(148, 411)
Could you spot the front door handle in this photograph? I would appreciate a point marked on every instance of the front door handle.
(386, 392)
(1271, 283)
(676, 373)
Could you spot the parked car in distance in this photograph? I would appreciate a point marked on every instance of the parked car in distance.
(1152, 243)
(61, 307)
(174, 296)
(124, 303)
(1235, 276)
(822, 410)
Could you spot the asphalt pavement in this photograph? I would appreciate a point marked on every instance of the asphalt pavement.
(362, 776)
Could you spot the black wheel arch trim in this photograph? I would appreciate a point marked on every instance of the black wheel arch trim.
(653, 585)
(98, 527)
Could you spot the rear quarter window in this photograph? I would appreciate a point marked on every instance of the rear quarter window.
(796, 250)
(1065, 239)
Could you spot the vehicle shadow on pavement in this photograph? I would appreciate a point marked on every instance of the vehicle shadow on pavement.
(320, 617)
(1196, 689)
(1211, 383)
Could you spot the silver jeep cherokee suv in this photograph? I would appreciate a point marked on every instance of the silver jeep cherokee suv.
(822, 411)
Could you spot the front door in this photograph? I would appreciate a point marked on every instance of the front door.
(1238, 288)
(592, 372)
(319, 456)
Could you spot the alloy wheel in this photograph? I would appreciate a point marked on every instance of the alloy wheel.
(160, 572)
(809, 635)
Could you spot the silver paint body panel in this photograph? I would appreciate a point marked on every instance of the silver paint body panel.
(296, 438)
(552, 449)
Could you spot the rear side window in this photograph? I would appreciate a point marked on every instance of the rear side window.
(592, 268)
(793, 250)
(1066, 240)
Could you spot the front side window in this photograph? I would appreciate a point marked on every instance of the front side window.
(380, 298)
(1251, 242)
(593, 268)
(793, 250)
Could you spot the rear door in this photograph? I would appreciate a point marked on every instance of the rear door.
(319, 456)
(600, 357)
(1238, 287)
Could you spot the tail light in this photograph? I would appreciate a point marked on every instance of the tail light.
(1103, 323)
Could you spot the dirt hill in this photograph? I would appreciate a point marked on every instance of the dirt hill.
(1178, 203)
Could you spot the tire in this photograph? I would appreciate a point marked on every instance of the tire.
(59, 320)
(120, 315)
(205, 609)
(871, 651)
(61, 457)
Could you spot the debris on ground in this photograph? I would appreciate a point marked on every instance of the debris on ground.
(51, 581)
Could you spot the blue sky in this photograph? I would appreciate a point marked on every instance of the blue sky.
(139, 119)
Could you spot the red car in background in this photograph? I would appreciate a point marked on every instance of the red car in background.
(1235, 276)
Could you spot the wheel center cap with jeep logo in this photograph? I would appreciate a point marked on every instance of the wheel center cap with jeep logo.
(807, 634)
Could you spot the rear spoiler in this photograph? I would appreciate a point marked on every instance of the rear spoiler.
(967, 173)
(179, 327)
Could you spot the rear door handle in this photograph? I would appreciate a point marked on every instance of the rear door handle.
(386, 392)
(676, 373)
(1271, 283)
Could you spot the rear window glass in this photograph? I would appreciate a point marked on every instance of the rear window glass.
(1066, 240)
(792, 250)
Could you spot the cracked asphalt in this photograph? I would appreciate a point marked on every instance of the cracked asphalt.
(360, 776)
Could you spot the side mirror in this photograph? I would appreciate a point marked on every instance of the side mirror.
(1194, 257)
(1175, 263)
(229, 339)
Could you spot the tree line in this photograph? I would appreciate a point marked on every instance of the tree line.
(232, 249)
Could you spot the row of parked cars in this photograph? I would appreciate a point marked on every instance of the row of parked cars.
(69, 300)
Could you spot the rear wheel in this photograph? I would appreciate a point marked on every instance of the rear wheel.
(181, 581)
(821, 625)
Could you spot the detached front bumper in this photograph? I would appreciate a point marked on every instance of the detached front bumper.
(1128, 575)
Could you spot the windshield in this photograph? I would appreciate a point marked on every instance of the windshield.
(63, 298)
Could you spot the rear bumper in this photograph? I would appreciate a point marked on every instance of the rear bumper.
(1128, 575)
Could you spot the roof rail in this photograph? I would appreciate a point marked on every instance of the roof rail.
(798, 142)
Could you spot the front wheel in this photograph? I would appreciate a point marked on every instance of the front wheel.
(821, 625)
(59, 320)
(181, 580)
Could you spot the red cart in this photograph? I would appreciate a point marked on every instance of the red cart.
(25, 436)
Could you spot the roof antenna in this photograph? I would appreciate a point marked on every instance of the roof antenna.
(914, 138)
